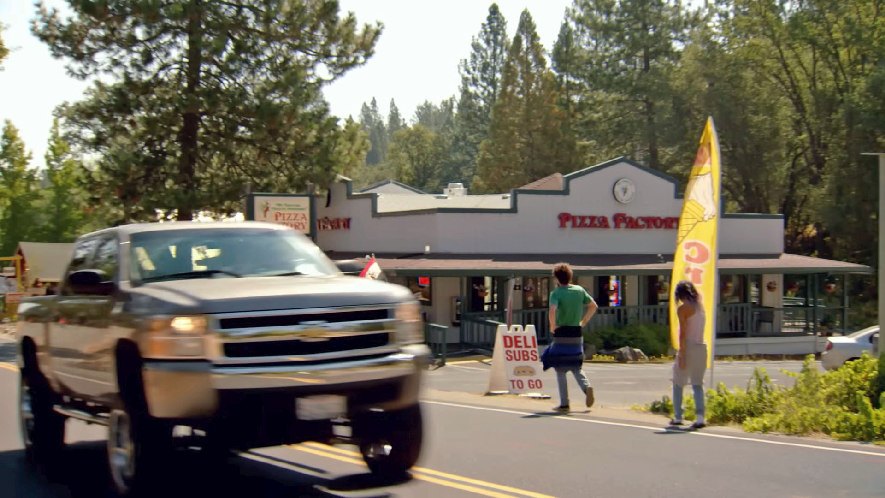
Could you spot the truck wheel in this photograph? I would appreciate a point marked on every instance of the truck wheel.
(396, 445)
(42, 429)
(136, 447)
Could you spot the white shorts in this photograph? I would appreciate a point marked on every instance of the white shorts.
(695, 366)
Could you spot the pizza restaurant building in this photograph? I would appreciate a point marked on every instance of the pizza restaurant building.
(615, 223)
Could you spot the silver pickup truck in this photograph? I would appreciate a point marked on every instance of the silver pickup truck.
(233, 335)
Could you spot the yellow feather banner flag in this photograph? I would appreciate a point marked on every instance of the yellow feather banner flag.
(697, 241)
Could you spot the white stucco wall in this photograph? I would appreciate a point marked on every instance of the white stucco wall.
(535, 228)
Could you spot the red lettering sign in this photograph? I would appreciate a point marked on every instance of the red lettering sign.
(327, 223)
(695, 254)
(618, 220)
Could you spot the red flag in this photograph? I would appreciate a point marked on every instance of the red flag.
(372, 269)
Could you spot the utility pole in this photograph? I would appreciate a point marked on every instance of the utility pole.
(881, 265)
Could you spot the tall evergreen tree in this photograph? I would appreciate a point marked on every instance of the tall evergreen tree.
(526, 140)
(630, 48)
(19, 191)
(395, 121)
(64, 199)
(480, 85)
(208, 96)
(373, 124)
(4, 52)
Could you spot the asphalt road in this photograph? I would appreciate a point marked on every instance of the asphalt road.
(498, 446)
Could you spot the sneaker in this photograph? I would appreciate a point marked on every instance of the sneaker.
(590, 397)
(673, 421)
(561, 409)
(698, 425)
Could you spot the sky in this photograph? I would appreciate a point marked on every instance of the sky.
(416, 59)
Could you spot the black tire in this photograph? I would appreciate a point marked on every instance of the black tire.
(42, 429)
(137, 446)
(395, 443)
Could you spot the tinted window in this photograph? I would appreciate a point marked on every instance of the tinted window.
(82, 255)
(105, 258)
(220, 252)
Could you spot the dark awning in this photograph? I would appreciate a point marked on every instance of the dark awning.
(593, 264)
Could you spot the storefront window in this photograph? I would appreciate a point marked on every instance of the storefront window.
(420, 286)
(731, 289)
(657, 289)
(610, 291)
(535, 292)
(831, 299)
(755, 282)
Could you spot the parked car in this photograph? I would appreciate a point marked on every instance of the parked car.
(849, 347)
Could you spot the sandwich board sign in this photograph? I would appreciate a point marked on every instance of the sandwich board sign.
(516, 363)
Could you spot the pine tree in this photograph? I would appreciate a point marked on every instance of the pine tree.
(3, 50)
(64, 199)
(373, 124)
(395, 121)
(526, 140)
(480, 86)
(206, 96)
(629, 49)
(19, 191)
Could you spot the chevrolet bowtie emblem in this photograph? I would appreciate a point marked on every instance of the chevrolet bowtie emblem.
(314, 335)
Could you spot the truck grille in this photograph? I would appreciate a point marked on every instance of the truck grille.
(304, 337)
(298, 347)
(289, 320)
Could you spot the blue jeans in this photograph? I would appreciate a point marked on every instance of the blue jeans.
(563, 385)
(700, 409)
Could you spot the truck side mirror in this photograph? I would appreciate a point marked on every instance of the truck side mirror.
(90, 282)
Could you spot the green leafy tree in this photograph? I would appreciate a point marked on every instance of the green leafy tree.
(480, 86)
(19, 192)
(526, 140)
(824, 58)
(752, 125)
(416, 155)
(64, 200)
(437, 118)
(206, 97)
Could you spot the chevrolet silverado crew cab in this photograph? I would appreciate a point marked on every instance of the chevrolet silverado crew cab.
(236, 335)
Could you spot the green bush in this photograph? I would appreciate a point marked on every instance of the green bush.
(652, 339)
(880, 389)
(724, 406)
(841, 403)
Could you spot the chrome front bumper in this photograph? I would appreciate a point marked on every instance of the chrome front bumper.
(182, 390)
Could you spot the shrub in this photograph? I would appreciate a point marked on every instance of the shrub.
(840, 403)
(652, 339)
(725, 406)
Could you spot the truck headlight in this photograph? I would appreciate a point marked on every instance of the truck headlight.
(174, 337)
(408, 323)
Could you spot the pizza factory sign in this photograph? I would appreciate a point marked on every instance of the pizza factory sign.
(618, 221)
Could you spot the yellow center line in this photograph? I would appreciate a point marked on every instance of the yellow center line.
(430, 472)
(9, 366)
(359, 461)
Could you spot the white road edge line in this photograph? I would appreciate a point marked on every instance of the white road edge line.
(650, 428)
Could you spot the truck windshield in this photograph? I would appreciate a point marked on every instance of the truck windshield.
(221, 253)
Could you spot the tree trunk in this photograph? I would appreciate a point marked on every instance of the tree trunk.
(188, 137)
